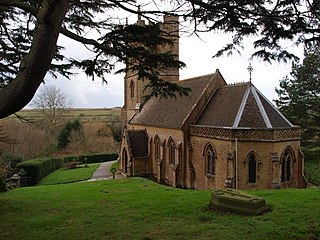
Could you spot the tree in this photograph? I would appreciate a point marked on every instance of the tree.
(30, 29)
(299, 95)
(115, 126)
(64, 138)
(53, 104)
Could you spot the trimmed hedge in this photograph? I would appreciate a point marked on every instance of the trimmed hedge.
(92, 158)
(312, 165)
(38, 168)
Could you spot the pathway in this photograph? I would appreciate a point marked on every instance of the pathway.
(103, 173)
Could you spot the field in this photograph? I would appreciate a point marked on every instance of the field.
(29, 139)
(137, 208)
(96, 114)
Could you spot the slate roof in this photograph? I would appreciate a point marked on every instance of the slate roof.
(171, 112)
(138, 141)
(241, 106)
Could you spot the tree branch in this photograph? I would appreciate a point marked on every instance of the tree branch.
(36, 63)
(21, 5)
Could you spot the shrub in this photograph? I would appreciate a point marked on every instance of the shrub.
(38, 168)
(312, 165)
(71, 165)
(3, 186)
(8, 165)
(92, 158)
(64, 137)
(29, 141)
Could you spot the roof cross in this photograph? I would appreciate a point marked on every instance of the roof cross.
(250, 70)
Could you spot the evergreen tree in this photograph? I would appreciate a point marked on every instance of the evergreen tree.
(299, 95)
(29, 31)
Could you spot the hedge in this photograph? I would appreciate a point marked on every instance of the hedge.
(312, 165)
(92, 158)
(38, 168)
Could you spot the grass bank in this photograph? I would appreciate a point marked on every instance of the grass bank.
(72, 175)
(137, 208)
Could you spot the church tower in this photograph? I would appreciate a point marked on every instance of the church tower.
(134, 88)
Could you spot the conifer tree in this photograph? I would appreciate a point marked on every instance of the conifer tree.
(299, 95)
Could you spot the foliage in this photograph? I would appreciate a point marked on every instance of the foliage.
(30, 29)
(5, 168)
(67, 211)
(4, 137)
(53, 105)
(3, 186)
(95, 137)
(38, 168)
(312, 165)
(115, 125)
(71, 165)
(64, 137)
(27, 142)
(299, 95)
(61, 175)
(8, 165)
(92, 158)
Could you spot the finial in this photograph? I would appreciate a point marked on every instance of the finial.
(139, 13)
(250, 70)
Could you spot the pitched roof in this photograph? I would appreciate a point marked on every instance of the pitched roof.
(241, 106)
(171, 112)
(138, 142)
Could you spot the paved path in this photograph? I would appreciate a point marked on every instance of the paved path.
(103, 173)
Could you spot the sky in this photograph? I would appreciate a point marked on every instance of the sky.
(195, 52)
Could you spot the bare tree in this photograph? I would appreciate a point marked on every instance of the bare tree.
(53, 105)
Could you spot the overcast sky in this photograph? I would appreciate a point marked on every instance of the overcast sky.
(196, 53)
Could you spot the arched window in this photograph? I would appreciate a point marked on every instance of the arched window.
(286, 165)
(210, 156)
(252, 168)
(157, 147)
(132, 89)
(125, 160)
(172, 151)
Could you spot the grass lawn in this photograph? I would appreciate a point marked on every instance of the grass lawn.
(137, 208)
(114, 165)
(67, 176)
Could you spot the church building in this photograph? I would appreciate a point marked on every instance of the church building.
(221, 135)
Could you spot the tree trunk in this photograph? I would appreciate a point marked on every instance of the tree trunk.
(34, 66)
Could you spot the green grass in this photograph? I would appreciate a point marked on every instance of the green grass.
(67, 176)
(114, 165)
(137, 208)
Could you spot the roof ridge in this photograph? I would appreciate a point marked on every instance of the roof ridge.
(238, 84)
(212, 79)
(194, 78)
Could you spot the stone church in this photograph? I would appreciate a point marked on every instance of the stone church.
(219, 136)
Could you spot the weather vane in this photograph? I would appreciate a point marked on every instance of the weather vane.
(250, 70)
